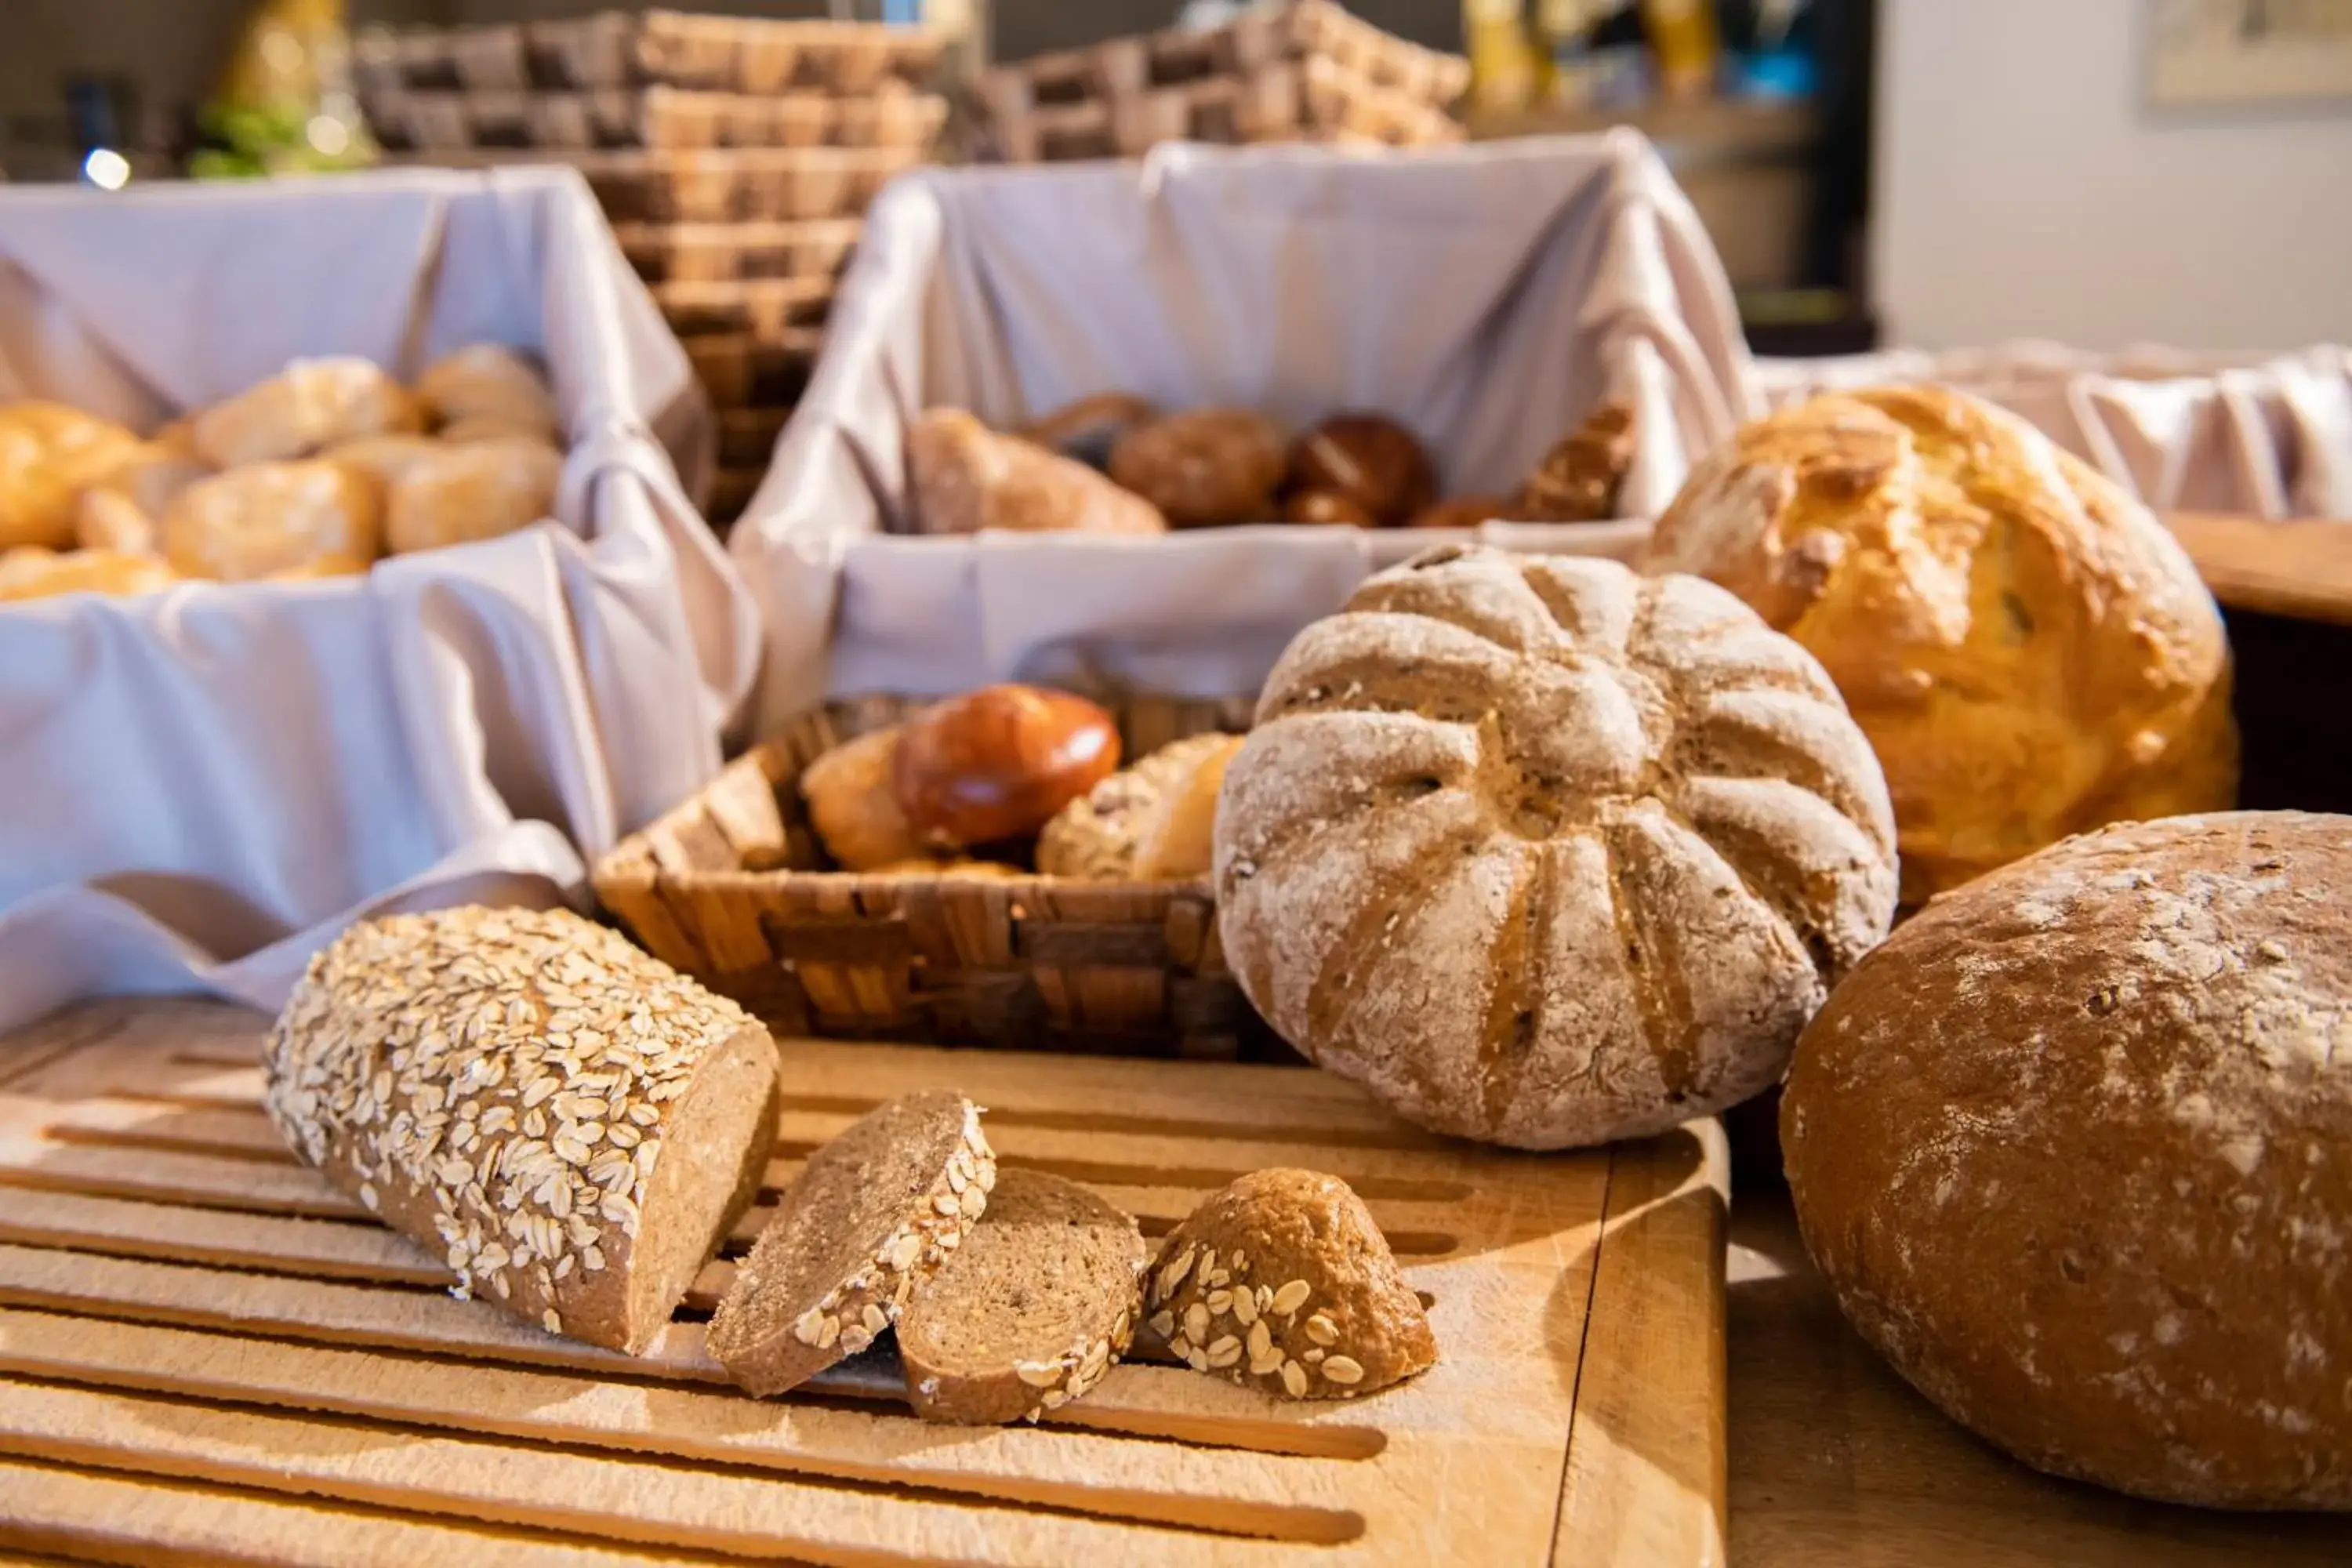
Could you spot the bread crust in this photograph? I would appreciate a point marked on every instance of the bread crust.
(2028, 649)
(503, 1087)
(1100, 836)
(1204, 465)
(964, 477)
(2074, 1151)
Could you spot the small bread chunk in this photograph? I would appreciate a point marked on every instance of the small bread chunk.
(873, 1211)
(1041, 1300)
(1099, 835)
(1283, 1281)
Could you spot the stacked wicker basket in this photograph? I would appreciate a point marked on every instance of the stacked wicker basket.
(734, 157)
(1307, 71)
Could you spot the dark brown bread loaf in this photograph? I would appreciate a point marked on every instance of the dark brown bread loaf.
(1040, 1300)
(1282, 1280)
(873, 1213)
(2074, 1148)
(571, 1123)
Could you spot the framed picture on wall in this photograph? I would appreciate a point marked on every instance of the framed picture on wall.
(2225, 54)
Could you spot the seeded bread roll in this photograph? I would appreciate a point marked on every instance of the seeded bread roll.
(1098, 835)
(1282, 1280)
(2074, 1151)
(1040, 1300)
(874, 1213)
(571, 1123)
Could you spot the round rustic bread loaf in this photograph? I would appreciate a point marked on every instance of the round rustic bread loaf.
(2074, 1149)
(1548, 854)
(2029, 651)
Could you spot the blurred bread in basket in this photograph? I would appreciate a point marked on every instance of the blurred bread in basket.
(316, 471)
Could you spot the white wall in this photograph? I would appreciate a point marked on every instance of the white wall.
(2022, 190)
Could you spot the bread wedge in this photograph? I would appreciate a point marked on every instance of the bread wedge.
(873, 1211)
(1039, 1302)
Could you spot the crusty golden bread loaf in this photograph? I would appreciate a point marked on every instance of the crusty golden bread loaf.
(309, 405)
(469, 491)
(2074, 1151)
(48, 453)
(570, 1123)
(487, 387)
(2029, 651)
(964, 477)
(124, 510)
(274, 520)
(32, 572)
(1548, 854)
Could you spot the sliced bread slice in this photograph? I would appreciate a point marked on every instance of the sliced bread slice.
(1041, 1300)
(873, 1212)
(1282, 1280)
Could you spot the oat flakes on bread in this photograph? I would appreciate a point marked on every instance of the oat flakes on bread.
(1098, 835)
(1041, 1300)
(1283, 1282)
(873, 1211)
(567, 1121)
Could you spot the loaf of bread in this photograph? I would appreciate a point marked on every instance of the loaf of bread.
(963, 477)
(29, 572)
(124, 511)
(470, 492)
(1040, 1300)
(1282, 1280)
(998, 762)
(1580, 479)
(875, 1212)
(488, 389)
(309, 405)
(1546, 853)
(2074, 1150)
(48, 453)
(1205, 465)
(274, 520)
(853, 804)
(1169, 796)
(568, 1123)
(1368, 459)
(387, 458)
(2028, 649)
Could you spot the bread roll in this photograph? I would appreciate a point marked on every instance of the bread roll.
(572, 1125)
(123, 510)
(854, 804)
(998, 762)
(1372, 460)
(385, 458)
(464, 493)
(2074, 1150)
(32, 572)
(1089, 429)
(1546, 853)
(267, 520)
(1282, 1281)
(964, 477)
(490, 387)
(2029, 651)
(48, 453)
(309, 404)
(1580, 479)
(1313, 506)
(1036, 1305)
(1203, 467)
(1171, 798)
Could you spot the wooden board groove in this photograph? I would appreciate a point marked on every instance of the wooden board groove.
(182, 1303)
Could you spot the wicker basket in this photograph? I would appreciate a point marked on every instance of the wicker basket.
(727, 889)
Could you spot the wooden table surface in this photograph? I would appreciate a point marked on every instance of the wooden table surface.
(1837, 1463)
(2301, 569)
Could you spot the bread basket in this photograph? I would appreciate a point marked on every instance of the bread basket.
(727, 889)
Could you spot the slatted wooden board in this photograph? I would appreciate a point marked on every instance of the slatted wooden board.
(207, 1352)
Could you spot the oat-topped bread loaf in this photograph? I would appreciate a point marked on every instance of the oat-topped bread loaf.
(1545, 853)
(873, 1213)
(1037, 1304)
(1282, 1280)
(2074, 1150)
(571, 1123)
(2028, 649)
(1151, 822)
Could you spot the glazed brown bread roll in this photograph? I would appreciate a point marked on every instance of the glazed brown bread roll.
(1205, 465)
(1546, 853)
(572, 1125)
(2029, 651)
(998, 762)
(2074, 1149)
(1368, 459)
(963, 477)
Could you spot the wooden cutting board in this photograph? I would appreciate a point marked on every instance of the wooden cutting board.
(208, 1351)
(2300, 569)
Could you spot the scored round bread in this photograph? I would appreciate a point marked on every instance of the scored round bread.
(2074, 1151)
(873, 1211)
(1546, 853)
(1281, 1279)
(1098, 835)
(568, 1123)
(1037, 1304)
